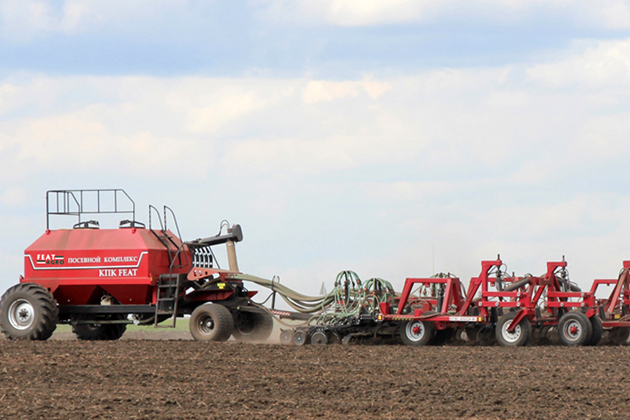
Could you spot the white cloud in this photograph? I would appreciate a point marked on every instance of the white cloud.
(594, 13)
(602, 138)
(603, 65)
(368, 12)
(13, 196)
(325, 90)
(80, 141)
(27, 20)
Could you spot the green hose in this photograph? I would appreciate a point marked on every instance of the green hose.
(348, 298)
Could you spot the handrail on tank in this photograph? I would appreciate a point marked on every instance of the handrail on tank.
(73, 203)
(151, 210)
(179, 235)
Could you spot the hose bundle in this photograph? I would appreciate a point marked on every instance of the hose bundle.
(348, 298)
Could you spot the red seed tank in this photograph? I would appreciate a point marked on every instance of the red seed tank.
(81, 266)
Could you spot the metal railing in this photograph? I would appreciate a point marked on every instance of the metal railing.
(80, 202)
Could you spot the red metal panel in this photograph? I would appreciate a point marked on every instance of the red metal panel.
(81, 265)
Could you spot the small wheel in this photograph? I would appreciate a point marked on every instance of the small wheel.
(416, 332)
(519, 336)
(286, 337)
(252, 326)
(319, 338)
(99, 332)
(575, 329)
(211, 322)
(598, 331)
(334, 338)
(299, 337)
(29, 312)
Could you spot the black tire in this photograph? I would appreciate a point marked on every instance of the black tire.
(252, 326)
(319, 338)
(520, 336)
(416, 332)
(211, 322)
(620, 336)
(575, 329)
(99, 332)
(29, 312)
(598, 331)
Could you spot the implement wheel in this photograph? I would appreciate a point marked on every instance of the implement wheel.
(416, 333)
(334, 338)
(620, 335)
(299, 337)
(598, 331)
(319, 338)
(519, 336)
(99, 332)
(211, 322)
(29, 312)
(286, 337)
(252, 326)
(575, 329)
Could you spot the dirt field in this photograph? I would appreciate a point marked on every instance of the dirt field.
(151, 379)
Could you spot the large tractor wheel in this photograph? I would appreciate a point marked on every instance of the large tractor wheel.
(575, 329)
(29, 312)
(519, 336)
(99, 332)
(416, 333)
(252, 326)
(211, 322)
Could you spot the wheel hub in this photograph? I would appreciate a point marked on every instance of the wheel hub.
(573, 330)
(415, 331)
(21, 314)
(511, 336)
(206, 325)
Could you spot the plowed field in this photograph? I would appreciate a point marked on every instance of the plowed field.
(148, 379)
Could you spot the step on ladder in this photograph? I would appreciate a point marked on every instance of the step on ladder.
(168, 287)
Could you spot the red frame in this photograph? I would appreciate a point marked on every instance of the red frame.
(527, 297)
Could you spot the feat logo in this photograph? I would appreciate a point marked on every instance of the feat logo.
(50, 259)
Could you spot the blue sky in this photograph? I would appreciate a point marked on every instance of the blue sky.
(393, 138)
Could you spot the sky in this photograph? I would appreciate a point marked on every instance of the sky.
(396, 139)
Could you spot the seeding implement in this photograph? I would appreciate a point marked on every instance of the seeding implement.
(513, 311)
(101, 280)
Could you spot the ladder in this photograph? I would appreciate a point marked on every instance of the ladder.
(168, 288)
(169, 285)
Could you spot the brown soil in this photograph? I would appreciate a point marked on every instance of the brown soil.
(190, 380)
